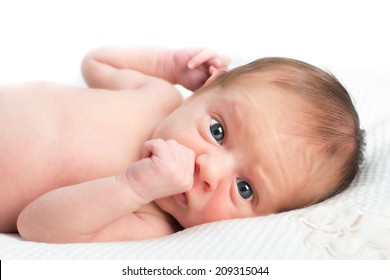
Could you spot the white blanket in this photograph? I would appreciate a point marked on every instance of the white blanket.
(47, 42)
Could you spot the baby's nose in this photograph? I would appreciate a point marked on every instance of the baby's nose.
(213, 170)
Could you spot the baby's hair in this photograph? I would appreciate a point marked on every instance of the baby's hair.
(335, 124)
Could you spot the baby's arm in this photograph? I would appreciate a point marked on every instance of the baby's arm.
(81, 212)
(115, 67)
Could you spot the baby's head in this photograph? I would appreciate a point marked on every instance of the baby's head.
(273, 135)
(328, 121)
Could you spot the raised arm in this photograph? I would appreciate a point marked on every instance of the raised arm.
(115, 67)
(88, 211)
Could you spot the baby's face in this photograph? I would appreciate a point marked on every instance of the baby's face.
(246, 162)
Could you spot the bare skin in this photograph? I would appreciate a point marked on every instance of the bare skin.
(56, 135)
(62, 130)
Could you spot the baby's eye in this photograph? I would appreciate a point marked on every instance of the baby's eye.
(217, 131)
(244, 189)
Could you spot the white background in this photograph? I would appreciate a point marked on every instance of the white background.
(277, 270)
(46, 39)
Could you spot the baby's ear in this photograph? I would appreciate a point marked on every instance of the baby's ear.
(216, 74)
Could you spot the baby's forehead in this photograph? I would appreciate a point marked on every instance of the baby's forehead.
(253, 99)
(261, 109)
(257, 96)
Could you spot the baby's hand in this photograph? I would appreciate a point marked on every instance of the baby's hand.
(167, 168)
(193, 66)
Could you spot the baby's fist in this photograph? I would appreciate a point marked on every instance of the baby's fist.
(167, 168)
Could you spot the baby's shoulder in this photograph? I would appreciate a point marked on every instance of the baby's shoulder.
(162, 96)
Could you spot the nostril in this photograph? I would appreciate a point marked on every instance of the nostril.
(199, 172)
(196, 169)
(208, 187)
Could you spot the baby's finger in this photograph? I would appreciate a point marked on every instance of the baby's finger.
(153, 147)
(203, 56)
(213, 70)
(220, 62)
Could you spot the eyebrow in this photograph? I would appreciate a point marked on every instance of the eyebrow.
(262, 189)
(235, 116)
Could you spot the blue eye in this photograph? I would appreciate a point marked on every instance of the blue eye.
(244, 189)
(217, 131)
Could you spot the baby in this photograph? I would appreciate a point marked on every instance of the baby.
(128, 159)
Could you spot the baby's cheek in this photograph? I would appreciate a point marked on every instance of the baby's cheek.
(219, 209)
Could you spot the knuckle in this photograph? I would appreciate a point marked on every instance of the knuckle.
(158, 141)
(171, 142)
